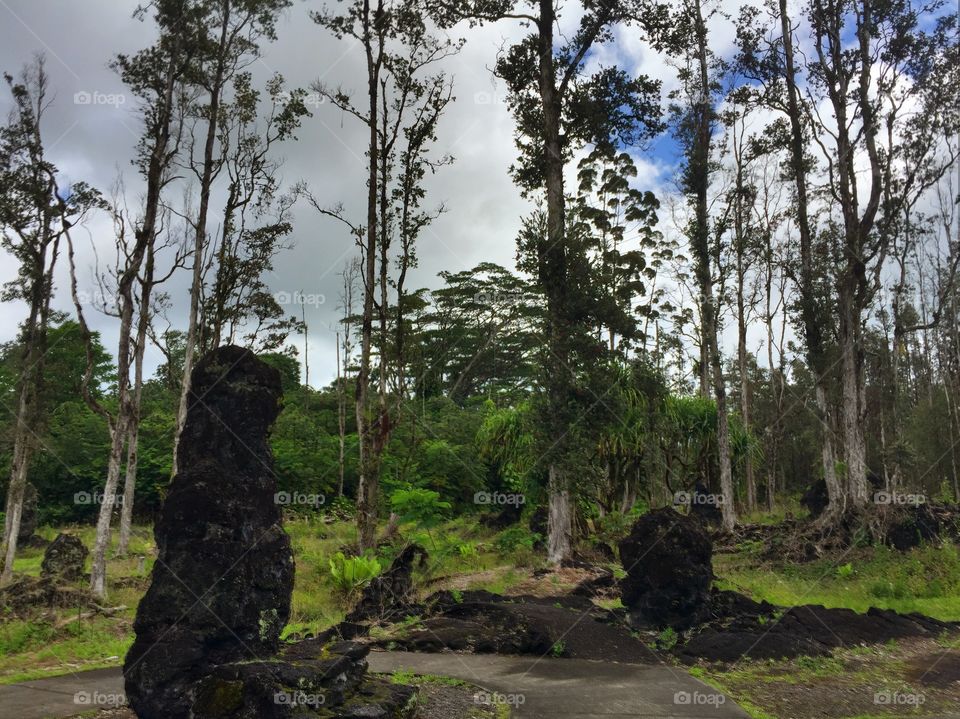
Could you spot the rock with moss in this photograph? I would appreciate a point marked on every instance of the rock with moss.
(64, 559)
(221, 586)
(309, 679)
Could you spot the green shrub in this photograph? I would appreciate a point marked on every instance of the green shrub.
(350, 574)
(510, 540)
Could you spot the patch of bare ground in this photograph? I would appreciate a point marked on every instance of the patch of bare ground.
(914, 677)
(551, 582)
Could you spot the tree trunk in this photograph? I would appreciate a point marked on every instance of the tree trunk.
(368, 470)
(559, 519)
(341, 423)
(553, 277)
(813, 332)
(200, 230)
(118, 436)
(133, 438)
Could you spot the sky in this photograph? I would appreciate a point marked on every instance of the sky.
(92, 128)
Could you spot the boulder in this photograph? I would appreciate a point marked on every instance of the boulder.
(308, 679)
(704, 507)
(64, 558)
(911, 526)
(667, 557)
(481, 622)
(815, 499)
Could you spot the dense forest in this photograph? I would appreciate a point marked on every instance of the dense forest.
(790, 313)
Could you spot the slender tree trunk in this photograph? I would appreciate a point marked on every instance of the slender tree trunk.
(200, 229)
(341, 422)
(27, 419)
(698, 179)
(22, 445)
(133, 438)
(368, 480)
(813, 332)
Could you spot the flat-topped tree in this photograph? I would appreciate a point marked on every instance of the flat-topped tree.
(560, 108)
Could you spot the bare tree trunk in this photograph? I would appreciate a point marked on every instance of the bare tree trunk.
(749, 474)
(200, 231)
(98, 568)
(559, 519)
(368, 480)
(813, 332)
(828, 455)
(341, 422)
(853, 409)
(552, 260)
(22, 450)
(133, 438)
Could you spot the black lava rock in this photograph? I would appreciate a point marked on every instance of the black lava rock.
(667, 557)
(64, 559)
(221, 586)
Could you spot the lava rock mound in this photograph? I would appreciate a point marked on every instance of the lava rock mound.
(667, 557)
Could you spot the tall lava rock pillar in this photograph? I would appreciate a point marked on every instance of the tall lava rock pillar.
(221, 586)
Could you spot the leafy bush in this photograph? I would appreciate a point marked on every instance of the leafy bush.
(350, 574)
(422, 507)
(515, 538)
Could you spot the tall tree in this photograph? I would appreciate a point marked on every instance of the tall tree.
(227, 39)
(558, 109)
(403, 102)
(155, 75)
(682, 32)
(33, 219)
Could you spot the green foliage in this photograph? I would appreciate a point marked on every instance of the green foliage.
(507, 441)
(422, 507)
(514, 538)
(845, 571)
(350, 574)
(667, 639)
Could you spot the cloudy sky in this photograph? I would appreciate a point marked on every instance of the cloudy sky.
(92, 128)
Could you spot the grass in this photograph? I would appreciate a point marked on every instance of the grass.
(856, 672)
(925, 580)
(50, 646)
